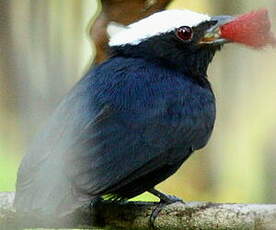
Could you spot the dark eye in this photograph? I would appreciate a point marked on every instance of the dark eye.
(184, 33)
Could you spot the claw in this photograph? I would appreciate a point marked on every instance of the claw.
(164, 201)
(154, 214)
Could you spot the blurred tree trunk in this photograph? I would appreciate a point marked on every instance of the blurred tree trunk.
(43, 51)
(9, 86)
(7, 77)
(120, 11)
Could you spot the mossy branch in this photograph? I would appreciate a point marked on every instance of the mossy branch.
(136, 215)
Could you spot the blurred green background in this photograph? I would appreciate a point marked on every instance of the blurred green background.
(45, 49)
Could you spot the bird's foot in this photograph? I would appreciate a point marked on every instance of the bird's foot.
(164, 201)
(165, 198)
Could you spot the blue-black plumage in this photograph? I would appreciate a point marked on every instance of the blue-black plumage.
(130, 122)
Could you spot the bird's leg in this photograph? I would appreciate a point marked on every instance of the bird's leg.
(164, 201)
(94, 202)
(164, 198)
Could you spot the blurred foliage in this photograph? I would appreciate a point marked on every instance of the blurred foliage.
(44, 49)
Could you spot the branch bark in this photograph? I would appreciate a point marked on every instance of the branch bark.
(136, 215)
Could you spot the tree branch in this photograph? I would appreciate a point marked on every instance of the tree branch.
(135, 215)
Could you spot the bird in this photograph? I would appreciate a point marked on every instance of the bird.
(130, 122)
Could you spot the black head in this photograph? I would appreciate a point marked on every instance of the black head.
(184, 43)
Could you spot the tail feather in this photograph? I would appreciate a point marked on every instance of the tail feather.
(49, 192)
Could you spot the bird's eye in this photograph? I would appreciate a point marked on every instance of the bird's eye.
(184, 33)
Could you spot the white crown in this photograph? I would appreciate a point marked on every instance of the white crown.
(158, 23)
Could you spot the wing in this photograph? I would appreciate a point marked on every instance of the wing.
(111, 148)
(42, 184)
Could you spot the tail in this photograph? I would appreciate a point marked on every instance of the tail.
(47, 191)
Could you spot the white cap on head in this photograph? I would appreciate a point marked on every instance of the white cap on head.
(158, 23)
